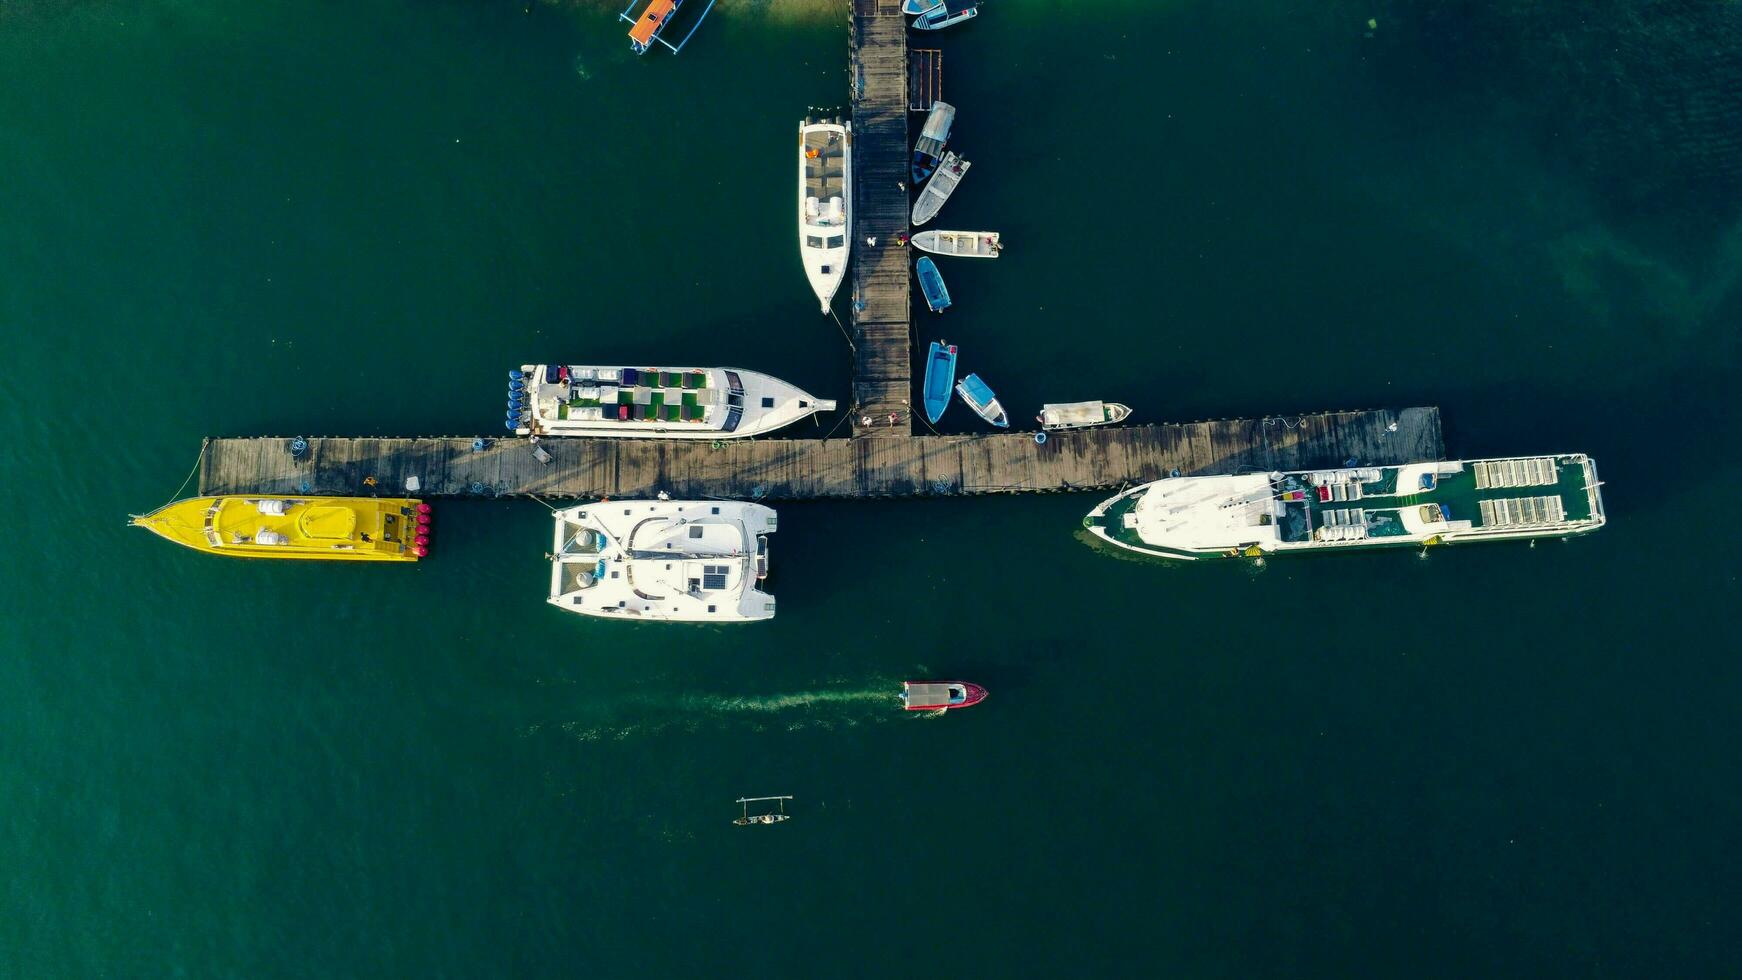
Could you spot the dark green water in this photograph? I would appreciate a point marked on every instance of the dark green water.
(350, 218)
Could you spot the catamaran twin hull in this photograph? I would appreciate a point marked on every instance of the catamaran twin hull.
(618, 402)
(1354, 508)
(699, 561)
(825, 204)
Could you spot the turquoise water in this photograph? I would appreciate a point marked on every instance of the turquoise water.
(351, 218)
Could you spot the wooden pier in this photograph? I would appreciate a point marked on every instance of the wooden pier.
(882, 307)
(883, 457)
(792, 469)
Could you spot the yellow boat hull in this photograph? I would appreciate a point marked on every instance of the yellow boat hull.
(318, 528)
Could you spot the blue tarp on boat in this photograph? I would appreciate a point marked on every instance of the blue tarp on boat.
(940, 377)
(937, 296)
(978, 394)
(980, 398)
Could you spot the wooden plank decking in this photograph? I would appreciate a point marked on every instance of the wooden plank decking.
(882, 329)
(925, 78)
(883, 457)
(788, 469)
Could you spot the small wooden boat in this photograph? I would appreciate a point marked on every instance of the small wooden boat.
(937, 296)
(912, 7)
(940, 377)
(1081, 415)
(748, 819)
(645, 29)
(940, 695)
(947, 14)
(930, 146)
(939, 188)
(980, 398)
(968, 244)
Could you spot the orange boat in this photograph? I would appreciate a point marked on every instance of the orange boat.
(645, 29)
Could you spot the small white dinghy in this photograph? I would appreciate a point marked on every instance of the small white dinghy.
(1081, 415)
(939, 188)
(966, 244)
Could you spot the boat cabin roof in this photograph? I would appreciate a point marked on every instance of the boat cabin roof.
(651, 20)
(976, 390)
(1074, 413)
(933, 695)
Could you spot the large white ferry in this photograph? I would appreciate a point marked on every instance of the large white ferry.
(652, 402)
(694, 561)
(825, 203)
(1353, 508)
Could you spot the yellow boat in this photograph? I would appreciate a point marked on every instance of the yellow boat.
(332, 528)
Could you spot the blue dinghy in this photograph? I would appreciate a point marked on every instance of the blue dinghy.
(940, 376)
(937, 296)
(980, 398)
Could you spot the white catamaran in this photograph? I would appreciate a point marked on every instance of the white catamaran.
(825, 203)
(652, 402)
(1354, 507)
(692, 561)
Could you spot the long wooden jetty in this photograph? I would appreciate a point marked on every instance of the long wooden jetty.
(789, 469)
(882, 457)
(882, 306)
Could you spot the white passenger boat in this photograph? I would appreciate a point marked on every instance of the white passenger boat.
(1081, 415)
(964, 244)
(939, 188)
(1354, 508)
(825, 203)
(689, 561)
(618, 402)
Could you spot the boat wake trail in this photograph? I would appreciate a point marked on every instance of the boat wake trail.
(678, 712)
(726, 704)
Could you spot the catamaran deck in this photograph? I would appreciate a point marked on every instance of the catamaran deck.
(793, 469)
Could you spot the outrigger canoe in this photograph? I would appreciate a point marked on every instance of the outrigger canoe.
(645, 29)
(931, 283)
(940, 377)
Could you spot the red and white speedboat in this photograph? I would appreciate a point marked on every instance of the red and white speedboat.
(940, 695)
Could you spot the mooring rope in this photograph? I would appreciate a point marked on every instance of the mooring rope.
(850, 345)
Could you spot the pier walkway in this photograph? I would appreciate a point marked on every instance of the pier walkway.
(882, 457)
(792, 469)
(882, 309)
